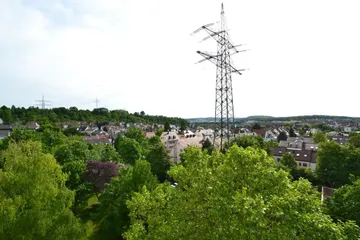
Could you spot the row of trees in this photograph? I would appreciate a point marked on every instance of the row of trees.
(61, 114)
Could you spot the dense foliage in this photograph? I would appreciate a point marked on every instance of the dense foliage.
(113, 215)
(240, 195)
(54, 185)
(345, 204)
(34, 201)
(62, 114)
(254, 141)
(319, 137)
(335, 163)
(99, 173)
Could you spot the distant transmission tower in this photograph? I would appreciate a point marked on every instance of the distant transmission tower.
(96, 101)
(43, 103)
(224, 104)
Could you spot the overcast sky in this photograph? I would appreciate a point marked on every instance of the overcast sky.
(139, 55)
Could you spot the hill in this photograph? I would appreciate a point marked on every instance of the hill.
(263, 118)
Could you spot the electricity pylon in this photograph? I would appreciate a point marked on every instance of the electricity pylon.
(224, 103)
(43, 103)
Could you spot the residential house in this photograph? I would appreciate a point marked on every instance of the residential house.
(4, 134)
(5, 131)
(339, 138)
(90, 129)
(150, 134)
(176, 143)
(96, 140)
(302, 148)
(207, 132)
(348, 129)
(99, 132)
(270, 136)
(260, 132)
(33, 126)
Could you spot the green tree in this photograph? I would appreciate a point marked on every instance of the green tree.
(269, 146)
(6, 116)
(18, 135)
(305, 173)
(344, 204)
(159, 132)
(335, 163)
(289, 161)
(208, 146)
(319, 137)
(167, 127)
(72, 131)
(256, 126)
(240, 195)
(105, 153)
(25, 134)
(302, 131)
(34, 202)
(248, 141)
(158, 158)
(282, 137)
(136, 134)
(324, 127)
(73, 156)
(354, 140)
(113, 215)
(129, 149)
(51, 140)
(292, 132)
(183, 125)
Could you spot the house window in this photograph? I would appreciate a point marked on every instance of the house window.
(280, 151)
(304, 164)
(305, 155)
(299, 164)
(297, 154)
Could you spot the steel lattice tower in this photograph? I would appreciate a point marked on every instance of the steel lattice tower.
(224, 104)
(43, 103)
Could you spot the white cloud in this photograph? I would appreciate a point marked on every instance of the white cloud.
(138, 55)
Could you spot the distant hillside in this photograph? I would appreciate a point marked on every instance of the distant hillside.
(262, 118)
(259, 117)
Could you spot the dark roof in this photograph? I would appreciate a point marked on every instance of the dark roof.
(4, 133)
(98, 139)
(299, 155)
(5, 127)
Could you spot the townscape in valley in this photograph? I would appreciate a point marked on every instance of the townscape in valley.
(112, 170)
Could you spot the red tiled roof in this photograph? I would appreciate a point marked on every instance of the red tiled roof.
(260, 132)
